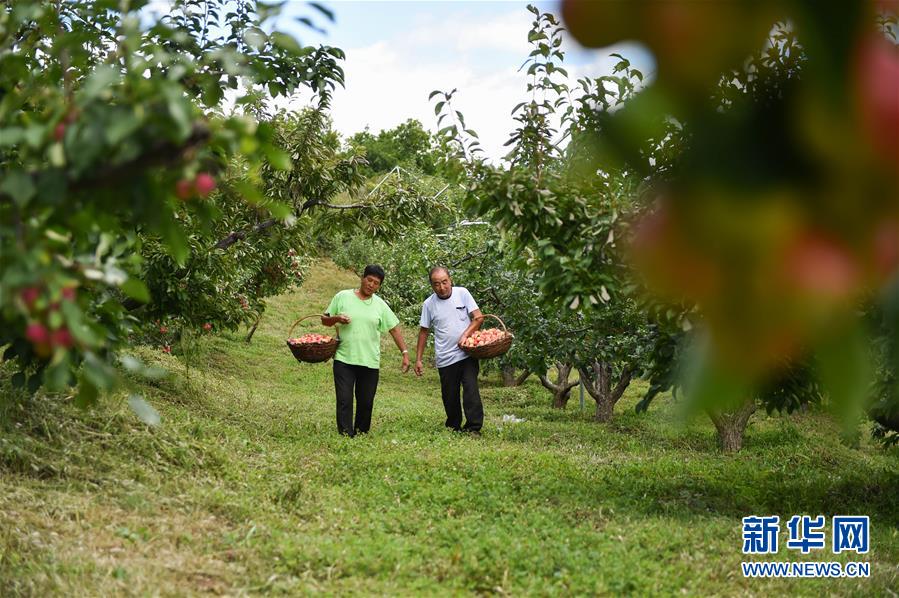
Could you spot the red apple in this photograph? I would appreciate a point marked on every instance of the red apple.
(37, 333)
(30, 296)
(184, 189)
(204, 184)
(62, 338)
(821, 266)
(886, 248)
(876, 77)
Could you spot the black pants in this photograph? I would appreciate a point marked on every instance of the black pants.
(465, 374)
(364, 381)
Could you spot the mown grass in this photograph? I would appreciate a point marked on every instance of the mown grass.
(246, 488)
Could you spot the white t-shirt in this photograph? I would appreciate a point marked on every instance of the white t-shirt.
(448, 318)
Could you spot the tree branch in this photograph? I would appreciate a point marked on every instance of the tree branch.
(355, 206)
(161, 154)
(468, 257)
(236, 236)
(524, 376)
(623, 383)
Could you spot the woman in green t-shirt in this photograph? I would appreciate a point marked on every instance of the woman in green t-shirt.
(363, 316)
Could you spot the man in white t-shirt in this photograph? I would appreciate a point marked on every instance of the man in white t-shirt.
(451, 312)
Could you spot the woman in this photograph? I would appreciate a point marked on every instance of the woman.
(363, 317)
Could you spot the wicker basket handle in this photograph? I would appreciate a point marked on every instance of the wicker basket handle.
(289, 332)
(503, 324)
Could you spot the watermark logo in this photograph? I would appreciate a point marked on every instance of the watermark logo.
(850, 534)
(760, 534)
(805, 533)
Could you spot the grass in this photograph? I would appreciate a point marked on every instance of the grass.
(246, 488)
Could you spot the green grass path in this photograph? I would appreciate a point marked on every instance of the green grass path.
(246, 488)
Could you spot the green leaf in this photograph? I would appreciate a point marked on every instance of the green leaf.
(708, 385)
(286, 42)
(278, 158)
(19, 186)
(329, 14)
(18, 380)
(143, 410)
(249, 192)
(131, 364)
(212, 93)
(845, 369)
(57, 375)
(255, 38)
(98, 372)
(136, 366)
(87, 393)
(120, 126)
(35, 381)
(176, 243)
(136, 289)
(179, 109)
(75, 322)
(103, 77)
(11, 136)
(279, 210)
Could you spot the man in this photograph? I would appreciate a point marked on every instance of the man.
(364, 317)
(453, 315)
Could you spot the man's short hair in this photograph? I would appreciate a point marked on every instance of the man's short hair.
(374, 270)
(436, 269)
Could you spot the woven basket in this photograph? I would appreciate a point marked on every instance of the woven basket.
(494, 349)
(312, 352)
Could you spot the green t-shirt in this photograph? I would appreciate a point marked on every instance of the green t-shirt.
(360, 340)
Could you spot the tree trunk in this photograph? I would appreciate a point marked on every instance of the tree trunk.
(560, 401)
(253, 330)
(561, 388)
(510, 379)
(598, 382)
(731, 425)
(507, 373)
(604, 409)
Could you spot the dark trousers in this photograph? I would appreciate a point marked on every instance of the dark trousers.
(465, 374)
(364, 381)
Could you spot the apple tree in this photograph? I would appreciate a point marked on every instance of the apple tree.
(775, 197)
(560, 218)
(113, 145)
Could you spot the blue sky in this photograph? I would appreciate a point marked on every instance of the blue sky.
(398, 52)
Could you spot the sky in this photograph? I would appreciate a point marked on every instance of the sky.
(397, 53)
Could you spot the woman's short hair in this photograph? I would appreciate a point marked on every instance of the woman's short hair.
(374, 270)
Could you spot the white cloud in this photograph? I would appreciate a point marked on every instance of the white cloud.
(502, 33)
(383, 89)
(389, 81)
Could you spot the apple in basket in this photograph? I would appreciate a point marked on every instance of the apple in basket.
(310, 339)
(484, 337)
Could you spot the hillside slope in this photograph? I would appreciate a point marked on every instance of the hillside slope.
(245, 488)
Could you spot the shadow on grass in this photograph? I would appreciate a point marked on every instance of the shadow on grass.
(750, 491)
